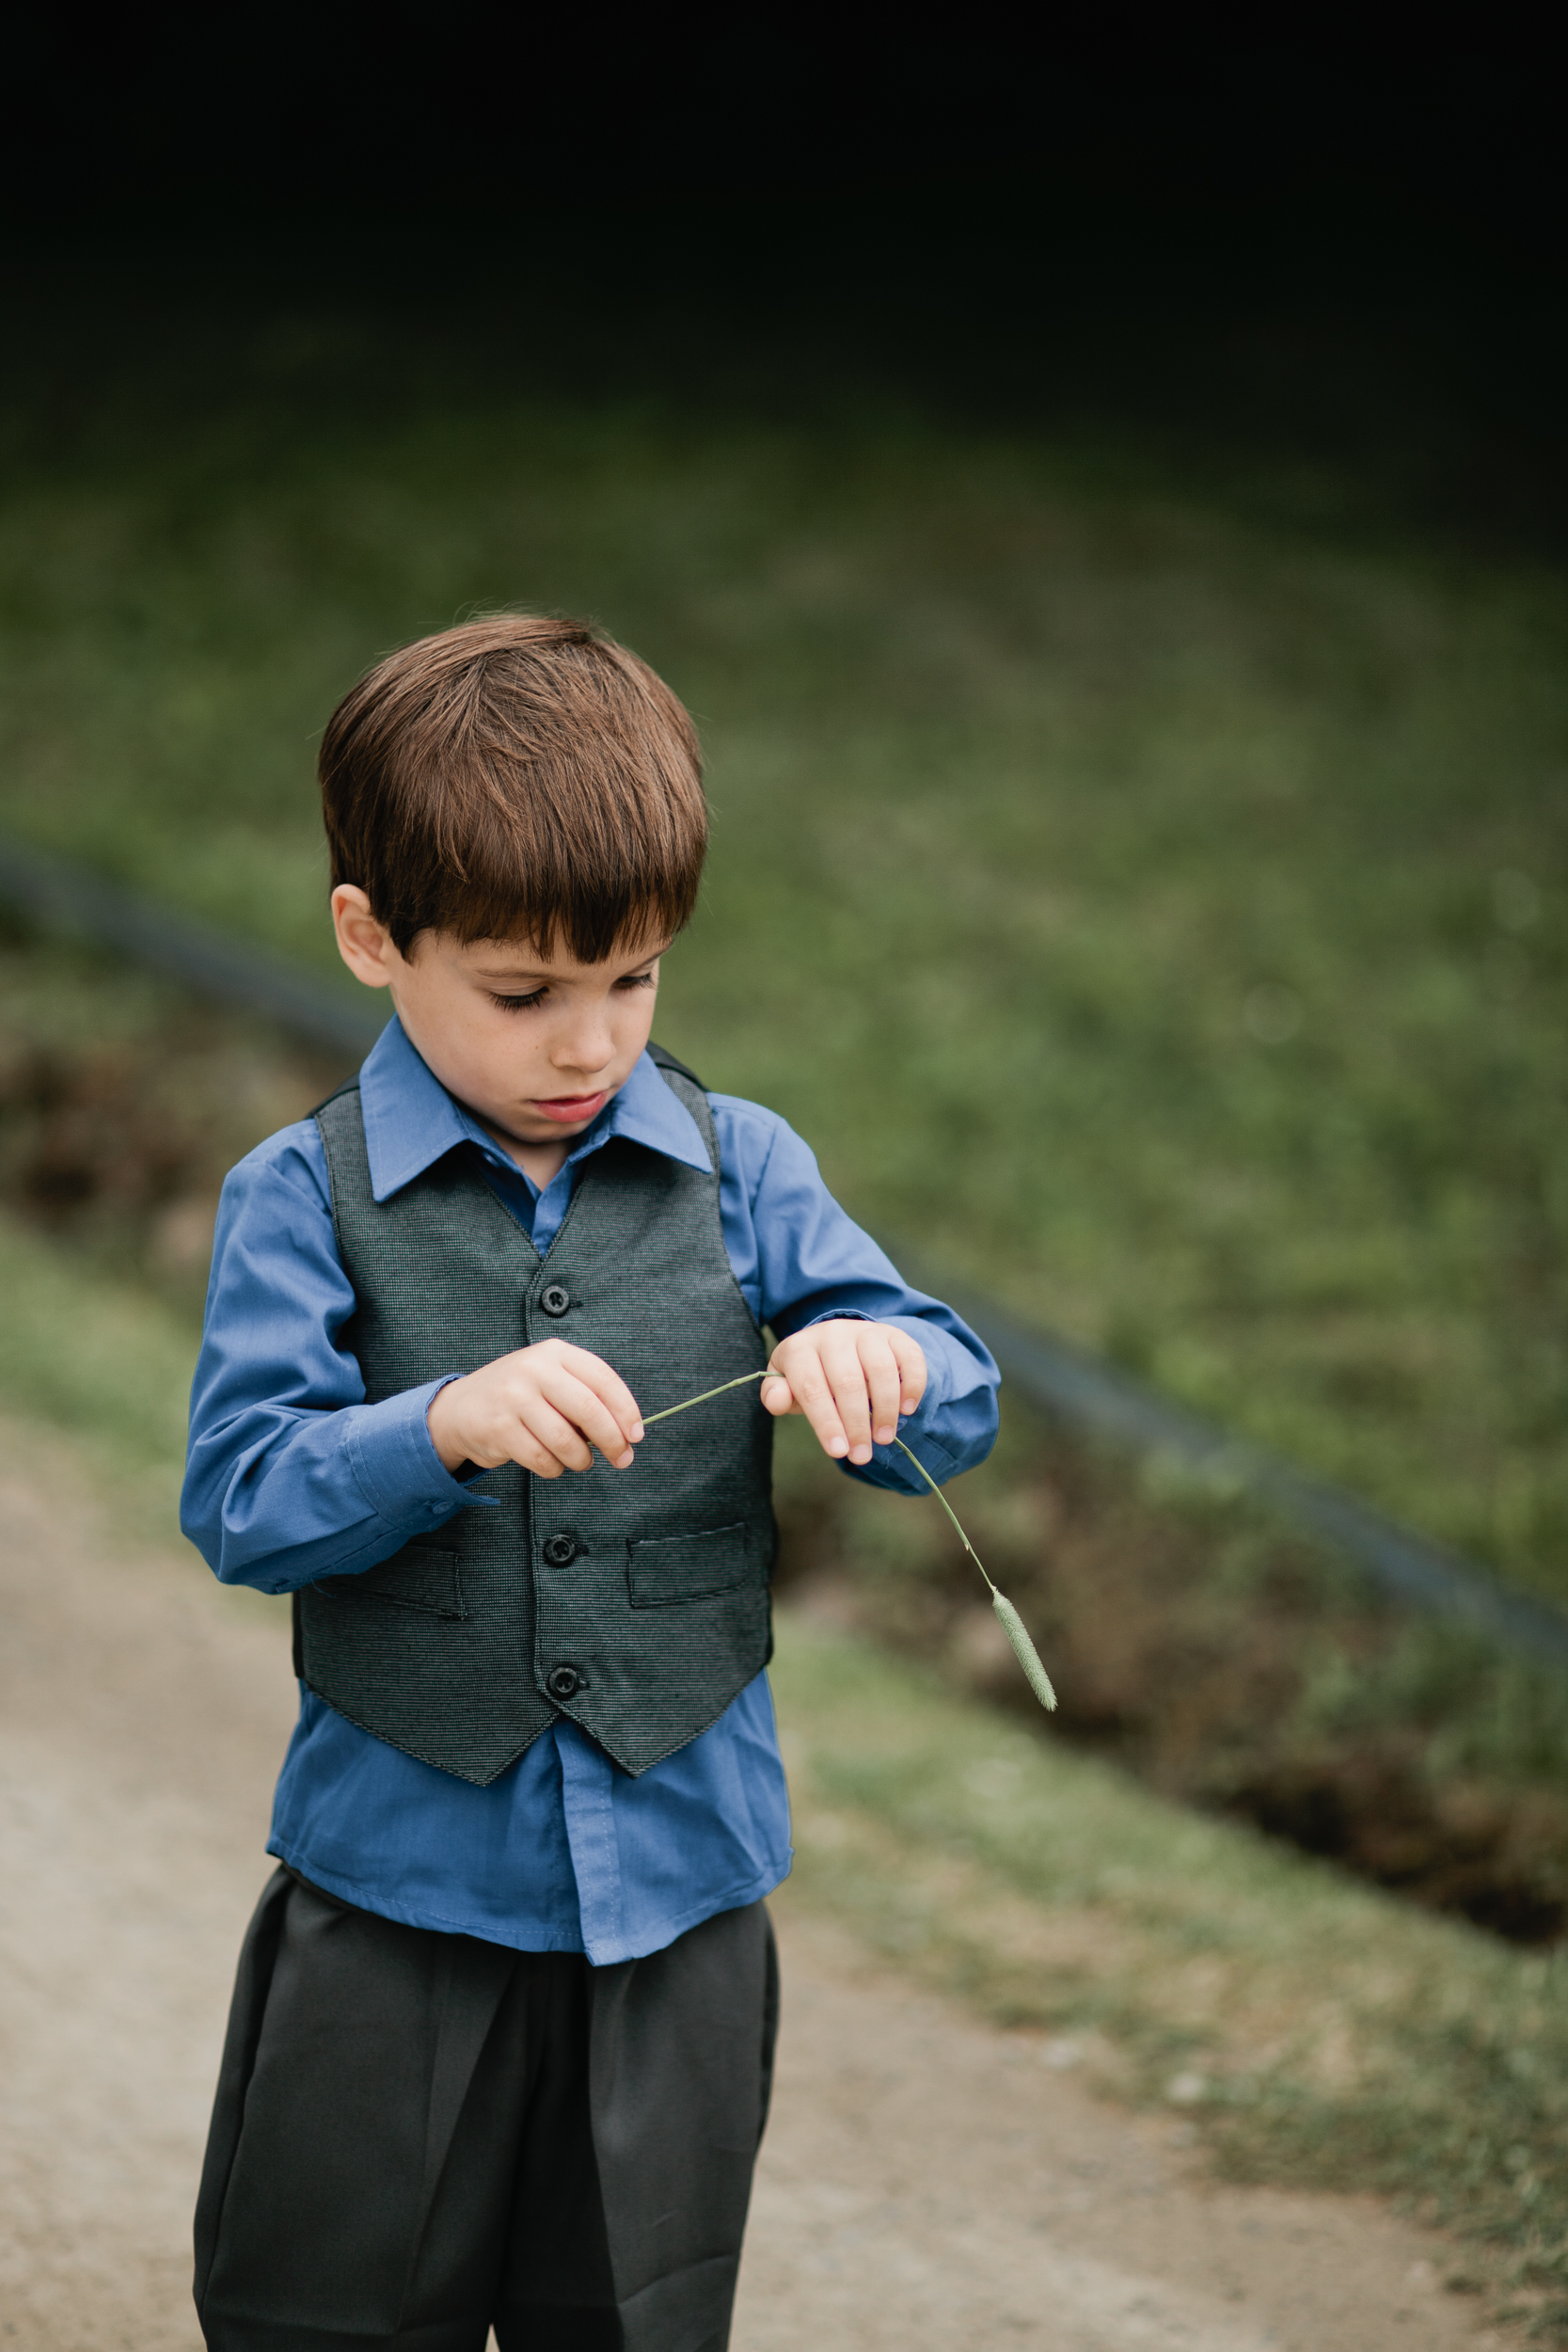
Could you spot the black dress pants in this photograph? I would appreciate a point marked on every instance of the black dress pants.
(417, 2137)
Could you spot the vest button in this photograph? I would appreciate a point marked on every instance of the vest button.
(561, 1551)
(562, 1681)
(555, 1300)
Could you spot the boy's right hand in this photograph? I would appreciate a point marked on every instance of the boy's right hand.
(546, 1407)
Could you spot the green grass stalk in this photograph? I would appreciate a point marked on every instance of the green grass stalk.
(1008, 1617)
(722, 1390)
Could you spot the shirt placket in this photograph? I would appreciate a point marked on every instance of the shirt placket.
(587, 1790)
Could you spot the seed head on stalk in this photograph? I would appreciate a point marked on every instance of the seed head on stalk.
(1008, 1617)
(1012, 1623)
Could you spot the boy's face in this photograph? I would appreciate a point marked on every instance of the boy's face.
(533, 1045)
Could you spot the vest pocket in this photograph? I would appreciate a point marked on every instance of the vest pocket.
(419, 1577)
(686, 1567)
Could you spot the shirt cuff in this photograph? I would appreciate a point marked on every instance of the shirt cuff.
(895, 1468)
(394, 1461)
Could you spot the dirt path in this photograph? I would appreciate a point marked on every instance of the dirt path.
(928, 2184)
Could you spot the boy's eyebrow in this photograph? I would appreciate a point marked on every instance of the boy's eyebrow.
(548, 971)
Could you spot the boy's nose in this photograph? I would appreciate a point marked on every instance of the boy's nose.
(585, 1050)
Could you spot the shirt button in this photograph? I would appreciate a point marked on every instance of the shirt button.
(563, 1681)
(555, 1300)
(561, 1551)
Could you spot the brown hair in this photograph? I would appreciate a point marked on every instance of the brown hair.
(516, 777)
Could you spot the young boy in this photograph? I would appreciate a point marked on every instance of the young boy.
(502, 2036)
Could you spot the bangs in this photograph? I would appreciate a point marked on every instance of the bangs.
(518, 778)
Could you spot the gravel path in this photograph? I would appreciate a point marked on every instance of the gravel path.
(928, 2184)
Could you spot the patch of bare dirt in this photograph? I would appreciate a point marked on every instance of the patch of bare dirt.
(934, 2186)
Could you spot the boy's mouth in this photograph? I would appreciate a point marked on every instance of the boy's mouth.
(570, 1108)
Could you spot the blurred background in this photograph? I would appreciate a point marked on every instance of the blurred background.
(1123, 607)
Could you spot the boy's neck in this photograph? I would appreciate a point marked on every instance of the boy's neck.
(541, 1163)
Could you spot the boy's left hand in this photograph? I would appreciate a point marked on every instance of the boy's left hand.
(850, 1379)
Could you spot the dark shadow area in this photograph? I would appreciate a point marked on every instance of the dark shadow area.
(1367, 346)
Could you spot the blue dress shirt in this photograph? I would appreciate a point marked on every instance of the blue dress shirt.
(291, 1475)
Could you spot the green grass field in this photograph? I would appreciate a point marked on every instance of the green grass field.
(1156, 915)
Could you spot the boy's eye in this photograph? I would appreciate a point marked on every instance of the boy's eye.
(537, 995)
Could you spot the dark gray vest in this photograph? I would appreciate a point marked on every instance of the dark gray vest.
(633, 1601)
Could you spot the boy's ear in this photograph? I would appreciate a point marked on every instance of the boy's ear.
(363, 940)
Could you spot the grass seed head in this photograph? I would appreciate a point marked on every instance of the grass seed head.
(1027, 1655)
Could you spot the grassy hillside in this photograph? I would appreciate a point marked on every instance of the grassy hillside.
(1159, 915)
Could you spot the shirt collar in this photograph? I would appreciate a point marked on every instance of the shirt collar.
(411, 1120)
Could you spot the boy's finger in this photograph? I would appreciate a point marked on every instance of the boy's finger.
(537, 1459)
(552, 1431)
(607, 1385)
(814, 1397)
(532, 1454)
(885, 1384)
(912, 1372)
(846, 1371)
(588, 1413)
(777, 1395)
